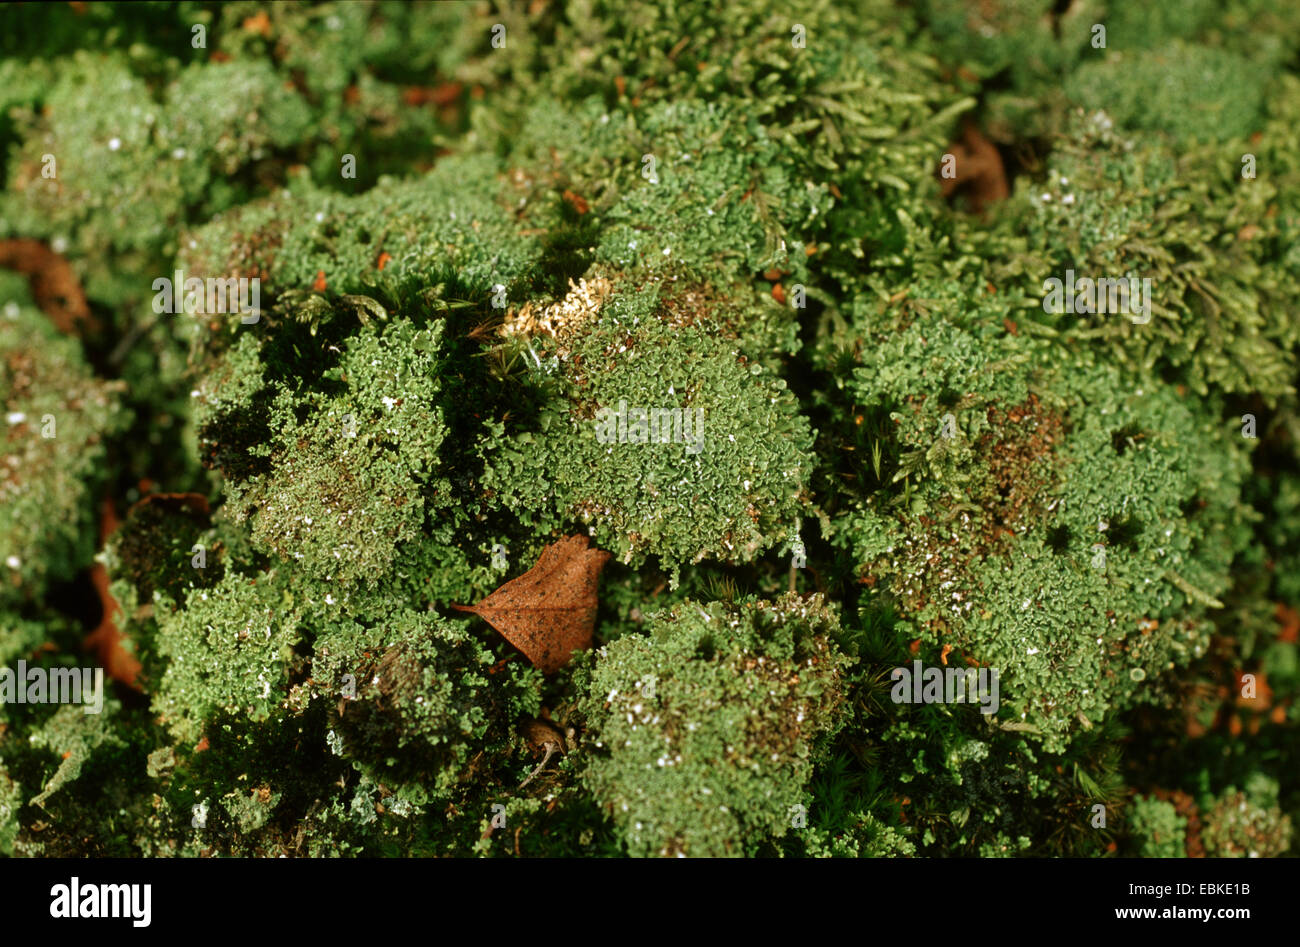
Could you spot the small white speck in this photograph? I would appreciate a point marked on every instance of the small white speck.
(178, 153)
(15, 417)
(13, 562)
(114, 144)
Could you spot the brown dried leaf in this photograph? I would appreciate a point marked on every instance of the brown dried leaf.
(550, 611)
(54, 283)
(980, 173)
(106, 641)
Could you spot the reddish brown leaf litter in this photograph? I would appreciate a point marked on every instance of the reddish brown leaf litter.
(176, 502)
(1289, 619)
(980, 174)
(550, 611)
(54, 284)
(106, 641)
(576, 201)
(443, 94)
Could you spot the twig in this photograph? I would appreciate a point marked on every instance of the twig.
(551, 747)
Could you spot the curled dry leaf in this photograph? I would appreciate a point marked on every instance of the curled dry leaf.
(106, 641)
(55, 286)
(550, 610)
(979, 170)
(544, 737)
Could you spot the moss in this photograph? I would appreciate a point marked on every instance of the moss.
(894, 428)
(229, 651)
(1160, 830)
(351, 470)
(58, 419)
(1193, 93)
(1111, 205)
(967, 548)
(1247, 824)
(416, 699)
(725, 484)
(702, 733)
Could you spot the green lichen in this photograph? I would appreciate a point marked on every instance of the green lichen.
(1161, 831)
(703, 732)
(739, 211)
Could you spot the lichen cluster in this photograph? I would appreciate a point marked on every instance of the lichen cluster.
(730, 218)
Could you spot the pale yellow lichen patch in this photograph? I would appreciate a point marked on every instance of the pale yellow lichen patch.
(561, 318)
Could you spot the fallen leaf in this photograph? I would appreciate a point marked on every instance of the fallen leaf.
(1263, 698)
(539, 732)
(258, 23)
(577, 202)
(979, 170)
(550, 611)
(106, 641)
(1289, 618)
(447, 93)
(54, 283)
(176, 502)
